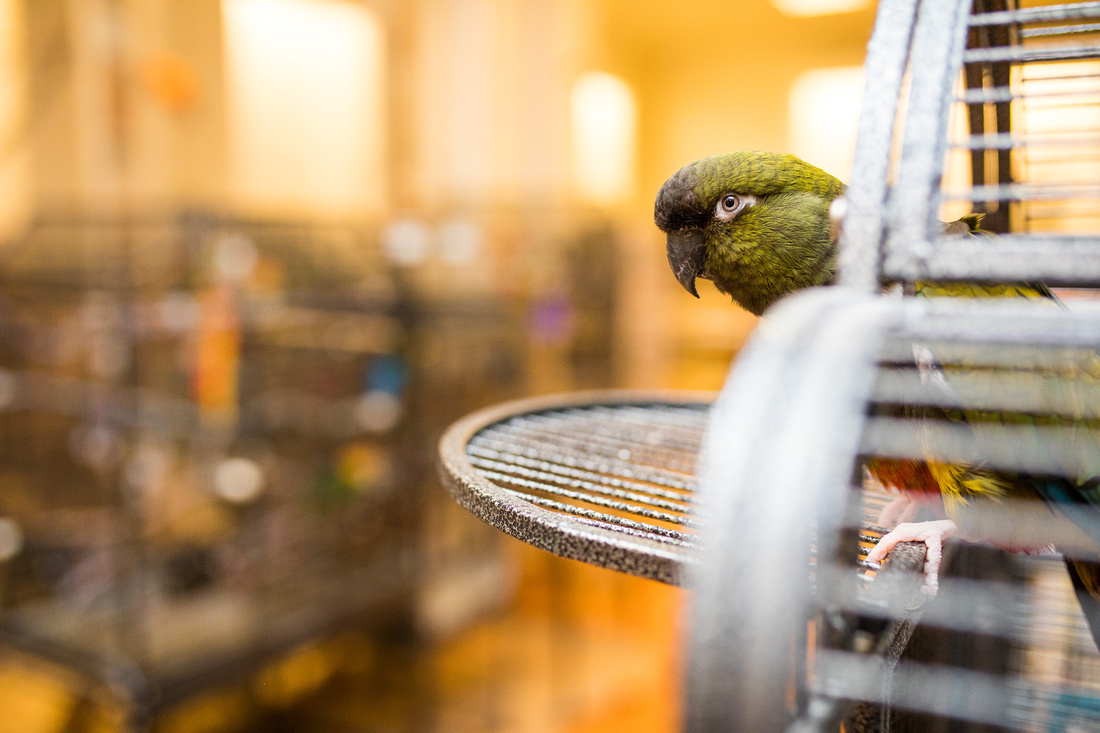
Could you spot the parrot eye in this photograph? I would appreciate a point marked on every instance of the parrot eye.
(732, 204)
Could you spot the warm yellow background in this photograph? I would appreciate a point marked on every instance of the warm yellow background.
(445, 113)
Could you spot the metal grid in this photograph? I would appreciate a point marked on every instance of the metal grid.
(835, 378)
(628, 461)
(1009, 387)
(609, 478)
(1012, 389)
(1009, 97)
(1019, 133)
(881, 407)
(606, 477)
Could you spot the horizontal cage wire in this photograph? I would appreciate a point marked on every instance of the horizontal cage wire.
(628, 469)
(1023, 150)
(1017, 392)
(1007, 387)
(1050, 677)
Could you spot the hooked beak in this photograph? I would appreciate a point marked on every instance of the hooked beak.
(687, 255)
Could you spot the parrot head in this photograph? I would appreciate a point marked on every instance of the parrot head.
(756, 224)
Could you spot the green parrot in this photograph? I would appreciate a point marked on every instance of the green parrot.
(758, 226)
(755, 224)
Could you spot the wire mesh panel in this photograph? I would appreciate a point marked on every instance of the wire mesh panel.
(839, 393)
(1011, 94)
(997, 395)
(1003, 396)
(999, 390)
(607, 478)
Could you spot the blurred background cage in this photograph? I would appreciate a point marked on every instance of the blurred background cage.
(213, 444)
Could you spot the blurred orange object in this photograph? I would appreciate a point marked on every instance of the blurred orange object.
(217, 356)
(171, 80)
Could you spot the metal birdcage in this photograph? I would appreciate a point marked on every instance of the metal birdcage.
(996, 117)
(993, 109)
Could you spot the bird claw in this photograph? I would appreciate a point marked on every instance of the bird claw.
(932, 534)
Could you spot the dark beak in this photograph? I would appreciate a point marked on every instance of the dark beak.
(687, 255)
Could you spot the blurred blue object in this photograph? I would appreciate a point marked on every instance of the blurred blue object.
(386, 373)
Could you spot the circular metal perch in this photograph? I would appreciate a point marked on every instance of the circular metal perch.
(607, 478)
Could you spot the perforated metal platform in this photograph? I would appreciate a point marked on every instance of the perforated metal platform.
(607, 478)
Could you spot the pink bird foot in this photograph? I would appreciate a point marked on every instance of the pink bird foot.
(931, 534)
(900, 509)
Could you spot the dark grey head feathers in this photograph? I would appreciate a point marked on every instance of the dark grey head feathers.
(677, 204)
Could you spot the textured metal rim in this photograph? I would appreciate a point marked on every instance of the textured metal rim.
(549, 530)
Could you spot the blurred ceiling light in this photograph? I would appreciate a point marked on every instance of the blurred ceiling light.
(304, 94)
(823, 115)
(808, 8)
(603, 113)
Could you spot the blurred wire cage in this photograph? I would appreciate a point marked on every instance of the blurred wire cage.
(212, 442)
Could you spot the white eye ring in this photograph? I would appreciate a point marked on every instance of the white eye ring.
(731, 205)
